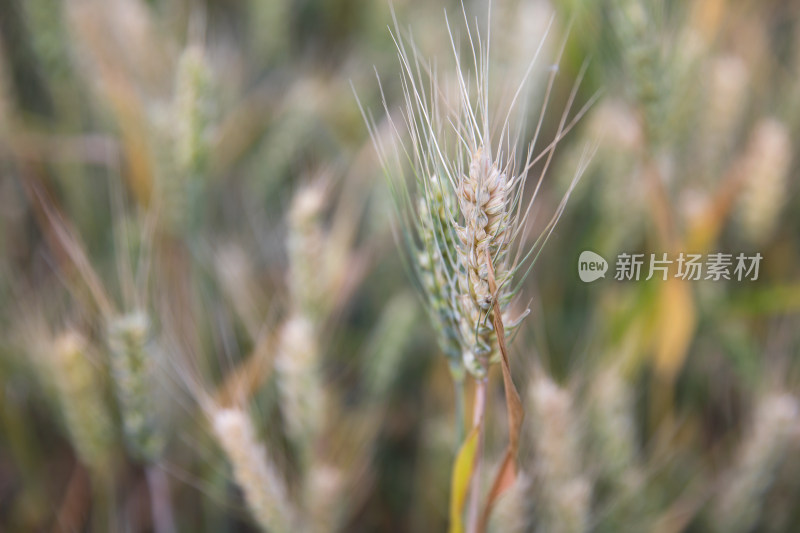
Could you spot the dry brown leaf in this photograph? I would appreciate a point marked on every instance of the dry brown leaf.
(508, 470)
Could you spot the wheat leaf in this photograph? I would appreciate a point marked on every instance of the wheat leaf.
(508, 470)
(462, 474)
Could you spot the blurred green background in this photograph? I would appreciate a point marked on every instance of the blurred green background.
(207, 163)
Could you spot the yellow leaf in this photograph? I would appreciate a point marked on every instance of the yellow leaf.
(462, 474)
(675, 328)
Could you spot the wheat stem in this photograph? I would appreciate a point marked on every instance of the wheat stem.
(160, 500)
(479, 410)
(458, 393)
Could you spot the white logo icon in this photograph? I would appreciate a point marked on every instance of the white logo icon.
(591, 266)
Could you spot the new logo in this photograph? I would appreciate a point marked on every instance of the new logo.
(591, 266)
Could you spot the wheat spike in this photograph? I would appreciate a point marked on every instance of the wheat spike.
(194, 112)
(132, 368)
(309, 282)
(457, 150)
(611, 421)
(766, 169)
(264, 490)
(739, 504)
(324, 496)
(436, 266)
(483, 238)
(80, 392)
(300, 384)
(563, 488)
(726, 104)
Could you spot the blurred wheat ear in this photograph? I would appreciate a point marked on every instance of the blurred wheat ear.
(264, 489)
(132, 368)
(81, 397)
(739, 503)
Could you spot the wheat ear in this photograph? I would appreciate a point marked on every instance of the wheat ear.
(264, 489)
(564, 490)
(85, 412)
(132, 368)
(739, 504)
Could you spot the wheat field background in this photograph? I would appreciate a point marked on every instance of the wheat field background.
(315, 266)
